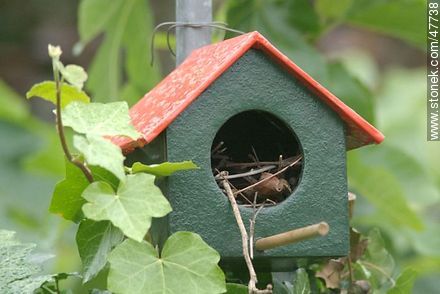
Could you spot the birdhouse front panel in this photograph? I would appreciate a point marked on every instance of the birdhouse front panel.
(255, 84)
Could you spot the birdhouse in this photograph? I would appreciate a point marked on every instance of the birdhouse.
(243, 107)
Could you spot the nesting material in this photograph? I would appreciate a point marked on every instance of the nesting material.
(256, 182)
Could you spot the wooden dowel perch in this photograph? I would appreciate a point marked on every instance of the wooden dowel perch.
(320, 229)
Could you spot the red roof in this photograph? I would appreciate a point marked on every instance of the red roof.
(159, 107)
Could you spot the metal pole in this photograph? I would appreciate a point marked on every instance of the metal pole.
(187, 38)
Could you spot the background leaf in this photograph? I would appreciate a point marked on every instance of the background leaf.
(384, 191)
(127, 25)
(405, 282)
(404, 19)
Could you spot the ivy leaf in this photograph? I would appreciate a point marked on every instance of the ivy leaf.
(232, 288)
(131, 208)
(377, 260)
(97, 119)
(187, 264)
(47, 91)
(101, 152)
(301, 284)
(17, 274)
(66, 199)
(405, 282)
(95, 240)
(164, 169)
(74, 74)
(51, 285)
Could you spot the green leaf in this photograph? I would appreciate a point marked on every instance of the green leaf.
(301, 284)
(13, 108)
(186, 265)
(47, 91)
(95, 240)
(278, 22)
(66, 199)
(405, 282)
(74, 74)
(164, 169)
(17, 274)
(94, 16)
(131, 208)
(48, 158)
(404, 19)
(378, 261)
(236, 289)
(51, 285)
(350, 90)
(101, 152)
(383, 190)
(97, 119)
(130, 30)
(329, 9)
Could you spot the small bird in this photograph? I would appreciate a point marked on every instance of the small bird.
(273, 188)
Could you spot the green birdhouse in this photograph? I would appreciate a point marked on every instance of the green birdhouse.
(242, 111)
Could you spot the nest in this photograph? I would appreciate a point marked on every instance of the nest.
(256, 182)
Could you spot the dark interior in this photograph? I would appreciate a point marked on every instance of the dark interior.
(255, 137)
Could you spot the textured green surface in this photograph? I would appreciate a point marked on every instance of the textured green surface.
(254, 82)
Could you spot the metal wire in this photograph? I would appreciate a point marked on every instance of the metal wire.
(172, 25)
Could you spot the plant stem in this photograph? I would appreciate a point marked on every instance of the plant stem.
(60, 128)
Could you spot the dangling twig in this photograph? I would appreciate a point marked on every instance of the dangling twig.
(244, 240)
(255, 212)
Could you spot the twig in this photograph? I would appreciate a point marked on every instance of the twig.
(284, 163)
(216, 148)
(225, 173)
(252, 221)
(255, 155)
(244, 240)
(246, 174)
(350, 269)
(59, 122)
(280, 162)
(271, 176)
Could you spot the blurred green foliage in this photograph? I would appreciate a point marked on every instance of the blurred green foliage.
(397, 182)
